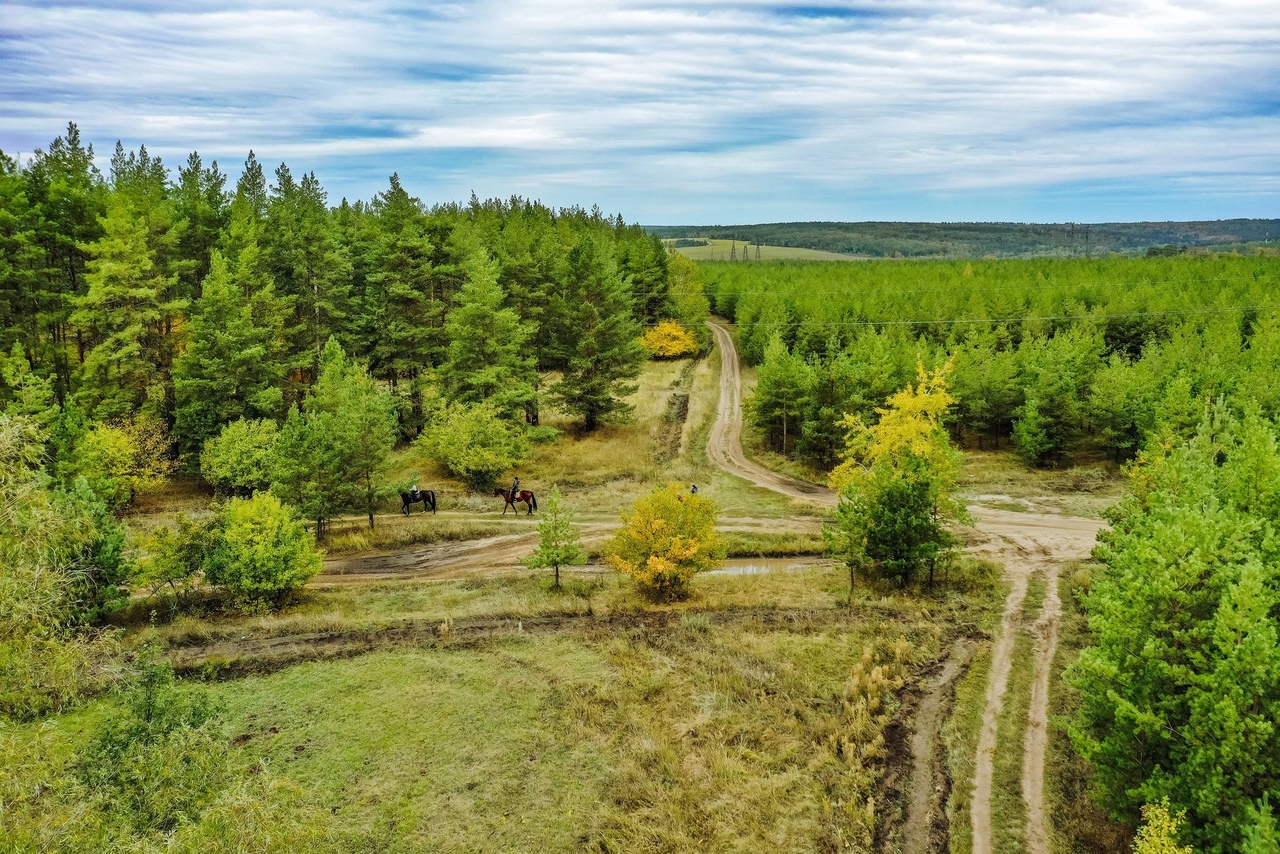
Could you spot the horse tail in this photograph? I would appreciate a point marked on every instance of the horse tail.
(534, 499)
(431, 493)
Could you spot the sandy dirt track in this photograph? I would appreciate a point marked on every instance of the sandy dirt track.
(1025, 543)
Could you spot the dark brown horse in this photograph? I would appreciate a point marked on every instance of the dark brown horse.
(426, 496)
(524, 495)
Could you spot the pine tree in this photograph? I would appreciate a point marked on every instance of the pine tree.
(123, 316)
(485, 358)
(201, 201)
(781, 394)
(333, 452)
(603, 353)
(228, 370)
(558, 539)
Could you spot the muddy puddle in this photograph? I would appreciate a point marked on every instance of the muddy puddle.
(763, 565)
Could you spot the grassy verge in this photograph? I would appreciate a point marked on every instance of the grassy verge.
(397, 532)
(1002, 479)
(747, 544)
(960, 739)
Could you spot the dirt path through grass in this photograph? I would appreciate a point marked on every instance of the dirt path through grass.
(925, 798)
(1024, 543)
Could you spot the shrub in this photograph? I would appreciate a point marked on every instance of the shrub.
(160, 762)
(121, 459)
(261, 552)
(667, 538)
(669, 340)
(238, 460)
(475, 444)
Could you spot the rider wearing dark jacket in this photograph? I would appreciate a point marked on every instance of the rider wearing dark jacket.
(515, 487)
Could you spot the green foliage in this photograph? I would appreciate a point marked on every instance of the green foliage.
(1261, 836)
(47, 539)
(1063, 356)
(1159, 831)
(238, 460)
(1181, 683)
(666, 539)
(119, 460)
(123, 315)
(897, 487)
(227, 371)
(475, 443)
(781, 395)
(558, 539)
(485, 361)
(600, 350)
(157, 765)
(261, 552)
(176, 555)
(332, 454)
(30, 395)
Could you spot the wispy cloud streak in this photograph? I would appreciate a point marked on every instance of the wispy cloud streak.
(716, 111)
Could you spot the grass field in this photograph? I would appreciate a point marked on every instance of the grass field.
(719, 250)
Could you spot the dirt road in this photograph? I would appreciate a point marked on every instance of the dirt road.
(724, 446)
(1025, 543)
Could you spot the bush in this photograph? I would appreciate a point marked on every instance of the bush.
(157, 765)
(668, 537)
(177, 555)
(121, 459)
(669, 340)
(238, 460)
(475, 444)
(261, 551)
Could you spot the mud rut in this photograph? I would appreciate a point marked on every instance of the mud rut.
(1025, 543)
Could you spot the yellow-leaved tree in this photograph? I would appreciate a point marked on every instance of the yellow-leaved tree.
(669, 340)
(897, 485)
(667, 538)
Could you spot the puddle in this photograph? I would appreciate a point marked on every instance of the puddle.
(762, 565)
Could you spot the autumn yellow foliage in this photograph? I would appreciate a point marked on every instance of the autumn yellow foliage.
(910, 424)
(669, 340)
(666, 539)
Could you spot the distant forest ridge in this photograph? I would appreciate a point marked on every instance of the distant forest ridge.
(997, 239)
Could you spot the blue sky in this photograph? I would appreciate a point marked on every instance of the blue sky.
(692, 112)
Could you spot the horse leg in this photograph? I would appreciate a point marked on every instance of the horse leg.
(404, 507)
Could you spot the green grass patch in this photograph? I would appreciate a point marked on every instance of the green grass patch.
(960, 739)
(789, 544)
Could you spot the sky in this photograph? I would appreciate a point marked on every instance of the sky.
(711, 112)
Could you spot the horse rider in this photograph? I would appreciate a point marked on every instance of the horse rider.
(413, 493)
(515, 487)
(693, 489)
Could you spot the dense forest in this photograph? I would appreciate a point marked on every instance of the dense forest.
(995, 239)
(1058, 357)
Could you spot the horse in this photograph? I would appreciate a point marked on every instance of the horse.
(426, 496)
(524, 495)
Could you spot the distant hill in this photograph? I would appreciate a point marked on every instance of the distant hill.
(998, 239)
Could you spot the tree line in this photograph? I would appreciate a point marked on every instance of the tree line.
(1055, 357)
(143, 311)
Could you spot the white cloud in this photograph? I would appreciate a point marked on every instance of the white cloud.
(724, 110)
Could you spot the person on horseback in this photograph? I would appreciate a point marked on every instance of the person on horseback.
(413, 493)
(515, 487)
